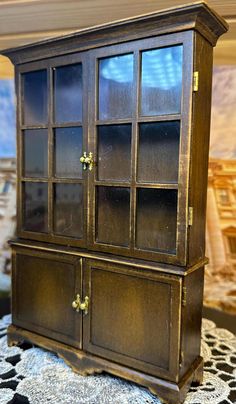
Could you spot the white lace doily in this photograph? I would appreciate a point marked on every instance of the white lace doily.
(35, 376)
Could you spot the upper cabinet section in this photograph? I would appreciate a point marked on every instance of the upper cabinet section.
(112, 138)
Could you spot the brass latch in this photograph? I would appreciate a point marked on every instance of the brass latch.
(78, 305)
(87, 161)
(195, 81)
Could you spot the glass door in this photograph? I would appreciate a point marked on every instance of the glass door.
(52, 138)
(139, 133)
(112, 139)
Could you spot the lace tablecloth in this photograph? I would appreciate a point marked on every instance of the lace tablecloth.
(33, 375)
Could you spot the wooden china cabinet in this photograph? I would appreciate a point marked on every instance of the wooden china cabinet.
(113, 135)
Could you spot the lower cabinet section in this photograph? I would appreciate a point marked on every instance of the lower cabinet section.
(141, 324)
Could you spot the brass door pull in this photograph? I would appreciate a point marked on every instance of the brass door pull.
(87, 161)
(78, 305)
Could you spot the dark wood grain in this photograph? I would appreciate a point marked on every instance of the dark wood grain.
(120, 235)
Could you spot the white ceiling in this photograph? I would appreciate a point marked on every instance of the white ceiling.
(25, 21)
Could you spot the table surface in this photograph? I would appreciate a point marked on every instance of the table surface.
(32, 375)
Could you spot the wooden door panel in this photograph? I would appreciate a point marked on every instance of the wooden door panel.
(45, 284)
(133, 318)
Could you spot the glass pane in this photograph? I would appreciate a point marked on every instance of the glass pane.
(68, 93)
(158, 157)
(114, 152)
(36, 153)
(68, 210)
(36, 206)
(156, 219)
(68, 150)
(116, 87)
(113, 213)
(161, 81)
(35, 97)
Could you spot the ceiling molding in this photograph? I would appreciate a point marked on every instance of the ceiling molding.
(26, 21)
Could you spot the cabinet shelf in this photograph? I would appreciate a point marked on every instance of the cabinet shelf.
(66, 124)
(157, 185)
(160, 118)
(25, 127)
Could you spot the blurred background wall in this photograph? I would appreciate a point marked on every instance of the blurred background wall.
(25, 21)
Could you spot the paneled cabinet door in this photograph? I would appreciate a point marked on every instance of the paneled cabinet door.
(44, 288)
(139, 133)
(133, 318)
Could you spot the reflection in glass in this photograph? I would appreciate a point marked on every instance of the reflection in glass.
(161, 81)
(116, 87)
(113, 214)
(35, 153)
(68, 150)
(156, 219)
(68, 93)
(35, 199)
(68, 210)
(35, 97)
(114, 152)
(158, 158)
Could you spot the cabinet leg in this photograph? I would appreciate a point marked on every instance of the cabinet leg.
(14, 340)
(176, 393)
(198, 375)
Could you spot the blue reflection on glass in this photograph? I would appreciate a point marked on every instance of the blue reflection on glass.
(115, 87)
(118, 68)
(162, 68)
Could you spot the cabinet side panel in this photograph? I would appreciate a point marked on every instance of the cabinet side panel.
(191, 319)
(200, 148)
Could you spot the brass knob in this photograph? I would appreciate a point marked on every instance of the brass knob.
(78, 305)
(87, 161)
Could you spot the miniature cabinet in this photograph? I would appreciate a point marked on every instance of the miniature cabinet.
(113, 134)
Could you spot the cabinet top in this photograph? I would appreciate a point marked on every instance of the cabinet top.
(198, 16)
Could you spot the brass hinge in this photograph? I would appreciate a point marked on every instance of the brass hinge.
(195, 81)
(184, 296)
(190, 216)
